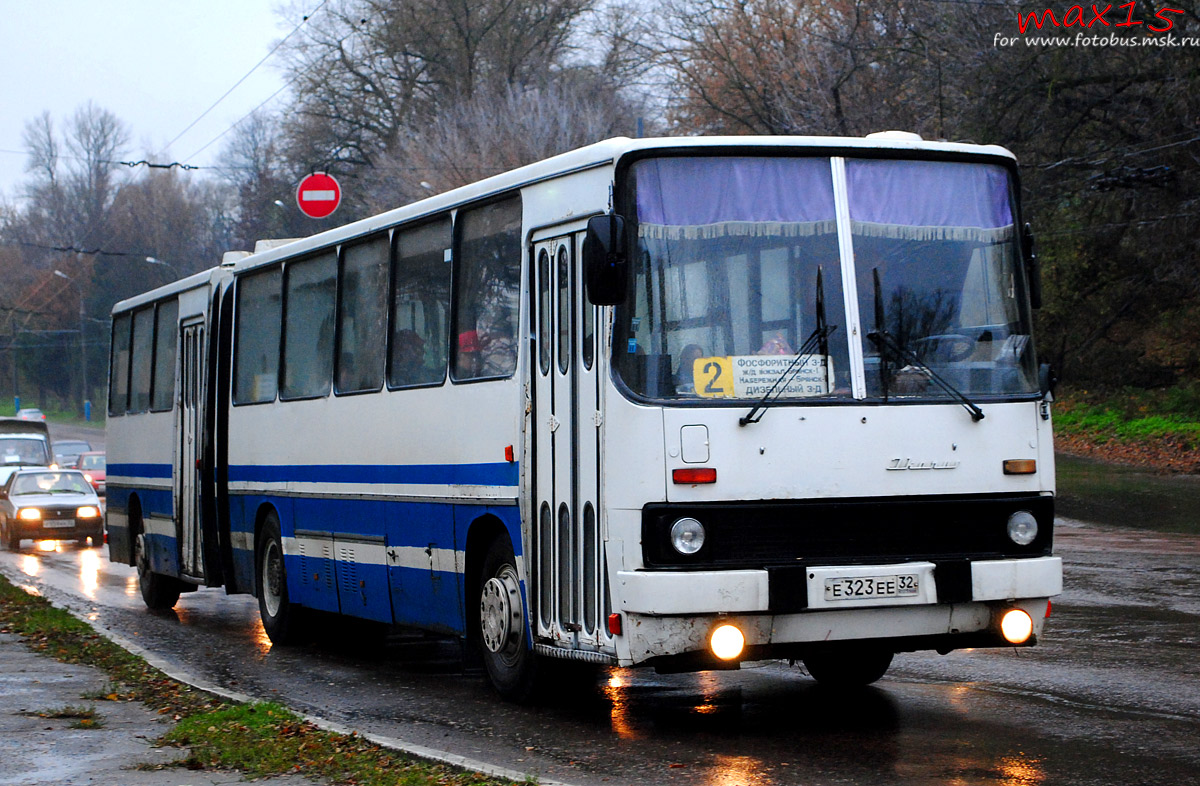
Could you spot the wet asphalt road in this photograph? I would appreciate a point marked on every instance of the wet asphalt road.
(1111, 696)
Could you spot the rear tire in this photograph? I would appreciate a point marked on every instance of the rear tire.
(511, 664)
(284, 622)
(848, 668)
(159, 592)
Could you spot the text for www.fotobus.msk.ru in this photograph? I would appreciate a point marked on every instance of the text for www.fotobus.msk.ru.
(1105, 25)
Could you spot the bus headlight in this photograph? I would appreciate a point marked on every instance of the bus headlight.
(1022, 528)
(1016, 626)
(687, 536)
(727, 642)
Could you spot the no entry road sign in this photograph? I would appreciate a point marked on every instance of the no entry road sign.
(318, 195)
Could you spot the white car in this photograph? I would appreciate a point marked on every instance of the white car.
(49, 504)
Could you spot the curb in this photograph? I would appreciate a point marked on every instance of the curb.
(392, 743)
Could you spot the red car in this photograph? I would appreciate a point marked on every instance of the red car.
(92, 464)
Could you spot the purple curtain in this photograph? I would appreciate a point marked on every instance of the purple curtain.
(928, 193)
(703, 191)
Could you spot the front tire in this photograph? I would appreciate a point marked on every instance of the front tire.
(11, 539)
(283, 621)
(848, 668)
(510, 662)
(159, 592)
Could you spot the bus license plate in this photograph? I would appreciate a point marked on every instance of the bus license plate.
(856, 588)
(58, 523)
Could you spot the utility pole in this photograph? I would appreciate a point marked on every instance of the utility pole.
(83, 380)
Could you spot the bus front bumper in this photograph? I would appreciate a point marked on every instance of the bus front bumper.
(671, 613)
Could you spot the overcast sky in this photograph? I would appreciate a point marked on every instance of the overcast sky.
(155, 64)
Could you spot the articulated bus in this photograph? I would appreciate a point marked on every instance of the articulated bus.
(680, 402)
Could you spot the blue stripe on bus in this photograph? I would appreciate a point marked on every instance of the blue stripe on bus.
(499, 474)
(420, 597)
(140, 470)
(155, 502)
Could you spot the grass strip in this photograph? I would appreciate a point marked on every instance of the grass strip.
(258, 739)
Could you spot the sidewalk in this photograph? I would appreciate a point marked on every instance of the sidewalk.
(35, 750)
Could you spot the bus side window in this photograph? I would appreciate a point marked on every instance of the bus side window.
(487, 291)
(420, 319)
(118, 375)
(362, 316)
(310, 287)
(256, 337)
(166, 329)
(143, 359)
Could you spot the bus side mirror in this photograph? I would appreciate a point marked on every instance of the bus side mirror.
(1047, 379)
(605, 264)
(1033, 270)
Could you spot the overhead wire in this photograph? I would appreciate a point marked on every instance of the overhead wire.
(225, 95)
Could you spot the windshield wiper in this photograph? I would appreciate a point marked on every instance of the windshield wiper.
(885, 341)
(817, 340)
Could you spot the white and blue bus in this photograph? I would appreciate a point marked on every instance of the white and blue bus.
(676, 402)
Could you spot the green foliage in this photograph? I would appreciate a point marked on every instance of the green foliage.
(1130, 414)
(267, 739)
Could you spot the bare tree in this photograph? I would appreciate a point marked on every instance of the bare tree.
(497, 131)
(371, 70)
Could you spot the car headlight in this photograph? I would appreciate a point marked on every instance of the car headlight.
(687, 536)
(88, 512)
(30, 514)
(1022, 528)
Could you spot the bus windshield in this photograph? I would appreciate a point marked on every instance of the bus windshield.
(738, 281)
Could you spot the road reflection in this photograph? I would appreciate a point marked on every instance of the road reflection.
(622, 718)
(1021, 771)
(89, 572)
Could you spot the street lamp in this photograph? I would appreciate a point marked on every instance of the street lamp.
(83, 378)
(167, 265)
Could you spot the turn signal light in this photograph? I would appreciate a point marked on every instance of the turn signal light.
(1020, 466)
(694, 475)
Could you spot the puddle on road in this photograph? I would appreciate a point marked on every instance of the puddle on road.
(1127, 497)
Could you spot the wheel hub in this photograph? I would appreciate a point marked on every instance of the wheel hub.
(272, 579)
(500, 612)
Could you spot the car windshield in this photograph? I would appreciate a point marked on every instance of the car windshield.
(50, 483)
(23, 450)
(92, 462)
(739, 267)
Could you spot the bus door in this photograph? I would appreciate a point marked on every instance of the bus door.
(566, 540)
(189, 451)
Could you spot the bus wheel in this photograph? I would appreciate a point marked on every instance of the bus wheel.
(158, 591)
(282, 621)
(511, 664)
(848, 668)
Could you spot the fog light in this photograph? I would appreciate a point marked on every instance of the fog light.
(1022, 528)
(1017, 626)
(30, 514)
(687, 536)
(727, 642)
